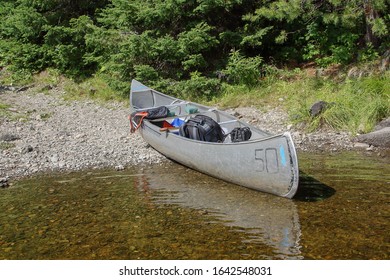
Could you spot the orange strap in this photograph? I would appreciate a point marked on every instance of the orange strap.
(137, 125)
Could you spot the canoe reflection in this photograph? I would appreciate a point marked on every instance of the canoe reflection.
(267, 218)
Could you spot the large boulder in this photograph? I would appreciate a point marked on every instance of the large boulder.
(378, 138)
(384, 123)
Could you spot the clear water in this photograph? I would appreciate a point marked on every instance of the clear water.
(171, 212)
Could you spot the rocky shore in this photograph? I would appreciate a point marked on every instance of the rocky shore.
(42, 132)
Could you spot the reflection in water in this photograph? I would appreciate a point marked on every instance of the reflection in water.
(171, 212)
(135, 215)
(269, 219)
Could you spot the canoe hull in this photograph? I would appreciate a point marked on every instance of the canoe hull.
(266, 165)
(266, 162)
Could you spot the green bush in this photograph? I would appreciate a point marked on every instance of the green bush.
(66, 47)
(146, 74)
(164, 42)
(243, 70)
(197, 88)
(21, 59)
(21, 23)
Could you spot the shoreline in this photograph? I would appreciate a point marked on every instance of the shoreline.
(43, 132)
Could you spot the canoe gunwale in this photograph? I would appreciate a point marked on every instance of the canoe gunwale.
(152, 126)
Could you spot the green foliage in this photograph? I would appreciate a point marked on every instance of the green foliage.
(356, 105)
(328, 31)
(193, 43)
(183, 44)
(329, 46)
(4, 110)
(197, 87)
(21, 23)
(146, 74)
(243, 70)
(66, 46)
(6, 145)
(60, 12)
(22, 60)
(95, 87)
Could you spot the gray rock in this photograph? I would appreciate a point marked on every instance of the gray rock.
(119, 167)
(27, 149)
(361, 145)
(317, 108)
(4, 182)
(54, 159)
(8, 137)
(384, 123)
(379, 138)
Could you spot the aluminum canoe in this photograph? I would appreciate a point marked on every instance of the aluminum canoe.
(265, 162)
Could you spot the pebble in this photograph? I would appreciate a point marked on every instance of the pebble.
(75, 135)
(27, 149)
(119, 167)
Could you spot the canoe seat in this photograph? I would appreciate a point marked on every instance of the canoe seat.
(226, 122)
(168, 106)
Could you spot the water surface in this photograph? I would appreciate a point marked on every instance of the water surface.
(172, 212)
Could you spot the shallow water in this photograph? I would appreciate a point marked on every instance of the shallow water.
(171, 212)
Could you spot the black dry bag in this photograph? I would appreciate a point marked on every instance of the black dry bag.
(136, 118)
(202, 128)
(240, 134)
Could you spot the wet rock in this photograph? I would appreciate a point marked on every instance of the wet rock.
(4, 182)
(119, 167)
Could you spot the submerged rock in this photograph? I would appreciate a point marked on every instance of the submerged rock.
(4, 182)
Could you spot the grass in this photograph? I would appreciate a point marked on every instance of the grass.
(4, 110)
(6, 146)
(357, 104)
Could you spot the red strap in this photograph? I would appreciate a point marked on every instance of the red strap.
(137, 125)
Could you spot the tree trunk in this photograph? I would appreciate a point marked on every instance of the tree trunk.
(370, 16)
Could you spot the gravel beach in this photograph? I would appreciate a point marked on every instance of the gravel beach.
(42, 132)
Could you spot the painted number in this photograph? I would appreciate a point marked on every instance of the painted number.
(259, 157)
(268, 160)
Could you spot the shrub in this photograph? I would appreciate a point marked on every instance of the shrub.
(243, 70)
(197, 88)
